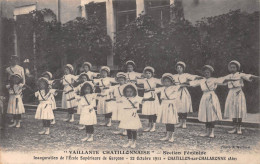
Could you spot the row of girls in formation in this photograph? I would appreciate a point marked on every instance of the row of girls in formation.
(121, 101)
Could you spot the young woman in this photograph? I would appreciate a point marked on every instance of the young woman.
(209, 108)
(87, 70)
(44, 110)
(104, 84)
(87, 102)
(131, 75)
(235, 106)
(168, 109)
(48, 76)
(15, 103)
(150, 108)
(115, 93)
(184, 101)
(68, 96)
(130, 121)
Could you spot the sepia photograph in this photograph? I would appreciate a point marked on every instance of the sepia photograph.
(129, 81)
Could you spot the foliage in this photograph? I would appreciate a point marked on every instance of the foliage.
(75, 41)
(7, 39)
(213, 40)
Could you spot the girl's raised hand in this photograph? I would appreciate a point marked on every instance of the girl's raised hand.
(253, 77)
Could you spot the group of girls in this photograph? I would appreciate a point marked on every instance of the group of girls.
(118, 99)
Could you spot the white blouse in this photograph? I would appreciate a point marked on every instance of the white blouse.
(88, 100)
(182, 78)
(115, 91)
(130, 103)
(206, 85)
(132, 75)
(45, 97)
(16, 70)
(15, 90)
(149, 83)
(69, 79)
(168, 93)
(240, 77)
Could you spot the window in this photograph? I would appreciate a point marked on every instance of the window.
(98, 9)
(125, 12)
(159, 10)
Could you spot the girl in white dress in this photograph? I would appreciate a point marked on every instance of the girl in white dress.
(87, 102)
(104, 84)
(168, 114)
(87, 70)
(184, 104)
(15, 103)
(150, 108)
(235, 106)
(68, 96)
(115, 93)
(83, 77)
(209, 108)
(48, 76)
(131, 75)
(130, 119)
(44, 110)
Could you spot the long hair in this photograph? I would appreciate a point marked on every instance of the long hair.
(46, 89)
(82, 90)
(132, 87)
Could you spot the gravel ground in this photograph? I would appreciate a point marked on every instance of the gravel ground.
(66, 136)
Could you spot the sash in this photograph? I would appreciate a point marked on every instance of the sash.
(166, 94)
(86, 100)
(119, 91)
(207, 85)
(133, 105)
(44, 98)
(68, 82)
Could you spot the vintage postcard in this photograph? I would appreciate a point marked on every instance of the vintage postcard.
(129, 81)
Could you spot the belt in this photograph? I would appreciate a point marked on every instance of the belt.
(148, 90)
(69, 91)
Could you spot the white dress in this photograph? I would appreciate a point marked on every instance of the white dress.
(168, 113)
(131, 76)
(16, 70)
(209, 109)
(184, 101)
(44, 110)
(150, 107)
(77, 91)
(15, 102)
(130, 118)
(68, 96)
(104, 84)
(235, 106)
(115, 92)
(53, 102)
(88, 114)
